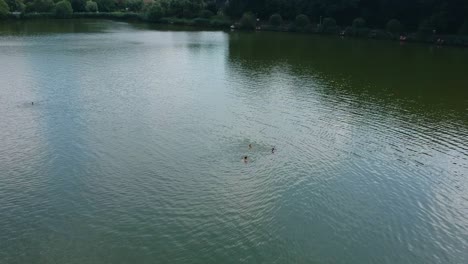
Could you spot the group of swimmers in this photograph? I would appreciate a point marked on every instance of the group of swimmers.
(245, 159)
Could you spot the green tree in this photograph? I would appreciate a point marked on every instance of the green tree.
(359, 22)
(155, 12)
(78, 5)
(207, 14)
(135, 5)
(16, 5)
(41, 6)
(4, 9)
(63, 9)
(234, 8)
(276, 20)
(120, 4)
(176, 8)
(329, 23)
(464, 28)
(211, 6)
(248, 21)
(394, 26)
(302, 21)
(426, 28)
(91, 7)
(445, 15)
(106, 5)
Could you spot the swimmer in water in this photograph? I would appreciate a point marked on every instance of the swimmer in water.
(32, 103)
(273, 150)
(250, 146)
(245, 159)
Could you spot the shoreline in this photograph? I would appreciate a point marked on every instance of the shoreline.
(225, 24)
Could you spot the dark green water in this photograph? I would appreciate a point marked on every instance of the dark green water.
(131, 151)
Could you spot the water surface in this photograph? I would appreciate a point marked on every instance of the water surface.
(132, 150)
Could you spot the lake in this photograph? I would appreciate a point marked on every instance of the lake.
(131, 152)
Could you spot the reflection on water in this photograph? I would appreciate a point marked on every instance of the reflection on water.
(131, 152)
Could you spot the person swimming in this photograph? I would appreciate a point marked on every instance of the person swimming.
(273, 150)
(250, 146)
(245, 159)
(32, 103)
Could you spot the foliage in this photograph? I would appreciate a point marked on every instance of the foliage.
(426, 28)
(220, 23)
(109, 15)
(445, 15)
(329, 26)
(106, 5)
(91, 6)
(394, 26)
(302, 21)
(63, 9)
(235, 8)
(120, 4)
(359, 22)
(135, 5)
(276, 20)
(211, 6)
(155, 12)
(78, 5)
(40, 6)
(16, 5)
(201, 21)
(329, 23)
(206, 14)
(464, 28)
(4, 9)
(248, 21)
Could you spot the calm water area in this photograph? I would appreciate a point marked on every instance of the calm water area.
(131, 152)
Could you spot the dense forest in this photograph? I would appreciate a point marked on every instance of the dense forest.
(444, 16)
(447, 16)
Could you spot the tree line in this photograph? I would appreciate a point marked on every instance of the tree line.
(443, 16)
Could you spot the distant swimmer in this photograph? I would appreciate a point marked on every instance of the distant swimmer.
(273, 150)
(32, 103)
(250, 146)
(245, 159)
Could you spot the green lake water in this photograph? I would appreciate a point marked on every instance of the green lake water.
(132, 150)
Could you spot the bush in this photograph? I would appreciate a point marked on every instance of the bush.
(394, 26)
(207, 14)
(63, 9)
(302, 21)
(154, 13)
(40, 6)
(15, 5)
(135, 5)
(211, 6)
(359, 22)
(464, 28)
(4, 9)
(276, 20)
(91, 7)
(106, 5)
(78, 5)
(201, 21)
(356, 32)
(329, 26)
(220, 23)
(329, 22)
(248, 21)
(425, 30)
